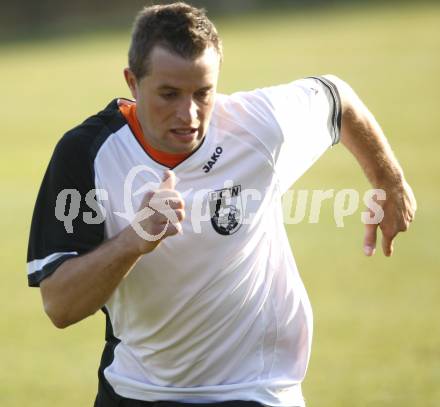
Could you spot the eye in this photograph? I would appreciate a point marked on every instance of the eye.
(168, 95)
(202, 94)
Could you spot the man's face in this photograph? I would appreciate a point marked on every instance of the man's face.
(176, 98)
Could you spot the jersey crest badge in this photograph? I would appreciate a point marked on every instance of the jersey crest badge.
(226, 210)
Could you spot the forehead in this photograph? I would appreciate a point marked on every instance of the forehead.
(169, 69)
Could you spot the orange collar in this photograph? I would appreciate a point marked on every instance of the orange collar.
(170, 160)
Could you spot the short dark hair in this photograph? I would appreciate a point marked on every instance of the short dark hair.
(178, 27)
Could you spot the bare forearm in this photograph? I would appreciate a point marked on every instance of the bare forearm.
(364, 138)
(82, 285)
(362, 135)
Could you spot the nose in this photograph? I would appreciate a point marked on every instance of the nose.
(187, 111)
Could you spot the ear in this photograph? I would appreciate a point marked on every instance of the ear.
(131, 82)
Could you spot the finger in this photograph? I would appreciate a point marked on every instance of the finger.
(169, 180)
(163, 227)
(170, 216)
(146, 199)
(180, 213)
(167, 198)
(176, 203)
(387, 244)
(370, 239)
(173, 229)
(165, 207)
(143, 213)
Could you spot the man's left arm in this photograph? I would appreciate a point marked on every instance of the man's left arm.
(364, 138)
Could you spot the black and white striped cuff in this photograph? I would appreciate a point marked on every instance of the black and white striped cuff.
(337, 108)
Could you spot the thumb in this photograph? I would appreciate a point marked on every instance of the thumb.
(169, 180)
(370, 239)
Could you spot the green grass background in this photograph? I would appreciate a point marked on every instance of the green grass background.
(377, 326)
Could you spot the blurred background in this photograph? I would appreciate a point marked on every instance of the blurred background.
(377, 326)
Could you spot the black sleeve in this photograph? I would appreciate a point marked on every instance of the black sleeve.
(52, 240)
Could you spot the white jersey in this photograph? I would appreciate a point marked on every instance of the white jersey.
(217, 313)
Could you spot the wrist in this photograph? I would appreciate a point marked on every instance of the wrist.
(132, 244)
(389, 179)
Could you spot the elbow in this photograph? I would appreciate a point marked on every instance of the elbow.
(54, 305)
(57, 313)
(63, 306)
(58, 318)
(63, 315)
(60, 323)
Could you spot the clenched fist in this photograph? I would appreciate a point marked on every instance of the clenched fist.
(159, 216)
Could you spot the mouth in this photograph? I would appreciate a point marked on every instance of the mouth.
(185, 134)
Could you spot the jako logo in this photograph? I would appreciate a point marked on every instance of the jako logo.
(207, 167)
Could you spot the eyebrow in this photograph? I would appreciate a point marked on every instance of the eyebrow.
(209, 87)
(169, 87)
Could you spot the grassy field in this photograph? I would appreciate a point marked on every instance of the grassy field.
(377, 325)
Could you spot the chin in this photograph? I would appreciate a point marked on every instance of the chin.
(186, 146)
(189, 148)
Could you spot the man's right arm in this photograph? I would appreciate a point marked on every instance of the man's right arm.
(82, 285)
